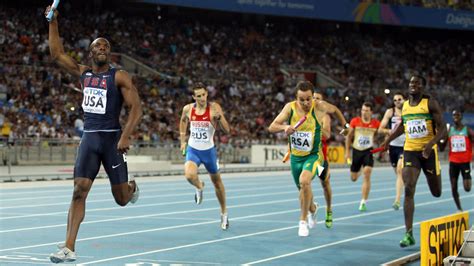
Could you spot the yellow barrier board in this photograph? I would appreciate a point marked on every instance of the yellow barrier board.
(442, 237)
(335, 154)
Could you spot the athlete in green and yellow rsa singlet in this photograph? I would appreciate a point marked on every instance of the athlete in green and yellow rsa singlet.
(307, 140)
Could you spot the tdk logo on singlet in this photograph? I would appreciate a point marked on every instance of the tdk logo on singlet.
(94, 92)
(300, 139)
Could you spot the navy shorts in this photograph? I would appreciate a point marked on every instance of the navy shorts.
(101, 147)
(395, 153)
(206, 157)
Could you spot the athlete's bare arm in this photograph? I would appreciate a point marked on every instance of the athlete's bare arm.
(349, 139)
(131, 100)
(183, 125)
(395, 134)
(279, 124)
(470, 132)
(218, 116)
(441, 131)
(385, 120)
(57, 50)
(326, 126)
(332, 109)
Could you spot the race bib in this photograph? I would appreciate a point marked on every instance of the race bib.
(302, 141)
(458, 144)
(417, 128)
(364, 142)
(200, 131)
(94, 101)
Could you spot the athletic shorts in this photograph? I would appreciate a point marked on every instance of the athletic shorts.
(395, 153)
(206, 157)
(431, 166)
(463, 168)
(101, 147)
(309, 163)
(361, 158)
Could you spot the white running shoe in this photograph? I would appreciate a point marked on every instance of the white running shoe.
(303, 229)
(136, 193)
(198, 195)
(224, 221)
(312, 217)
(63, 255)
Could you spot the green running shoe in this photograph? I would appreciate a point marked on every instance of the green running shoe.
(408, 240)
(396, 205)
(329, 219)
(362, 207)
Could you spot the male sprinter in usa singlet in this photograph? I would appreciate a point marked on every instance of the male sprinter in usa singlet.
(103, 142)
(204, 118)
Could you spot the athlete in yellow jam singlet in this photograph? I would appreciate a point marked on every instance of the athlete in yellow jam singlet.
(420, 115)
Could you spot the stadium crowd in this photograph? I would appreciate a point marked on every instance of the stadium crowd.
(249, 69)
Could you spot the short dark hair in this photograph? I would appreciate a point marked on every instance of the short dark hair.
(304, 85)
(423, 80)
(198, 86)
(367, 104)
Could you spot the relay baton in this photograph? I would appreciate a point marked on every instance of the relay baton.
(54, 6)
(376, 150)
(297, 125)
(300, 122)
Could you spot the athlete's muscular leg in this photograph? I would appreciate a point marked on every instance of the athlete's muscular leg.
(77, 209)
(220, 190)
(467, 184)
(327, 191)
(399, 182)
(366, 183)
(191, 173)
(467, 179)
(434, 183)
(123, 192)
(410, 177)
(453, 178)
(355, 176)
(306, 193)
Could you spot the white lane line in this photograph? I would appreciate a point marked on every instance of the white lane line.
(180, 212)
(26, 262)
(159, 196)
(255, 234)
(334, 243)
(253, 188)
(149, 189)
(172, 184)
(156, 181)
(46, 255)
(216, 221)
(178, 261)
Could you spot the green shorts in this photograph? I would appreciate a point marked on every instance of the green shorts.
(309, 163)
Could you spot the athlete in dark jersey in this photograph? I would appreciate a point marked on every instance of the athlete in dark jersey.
(104, 89)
